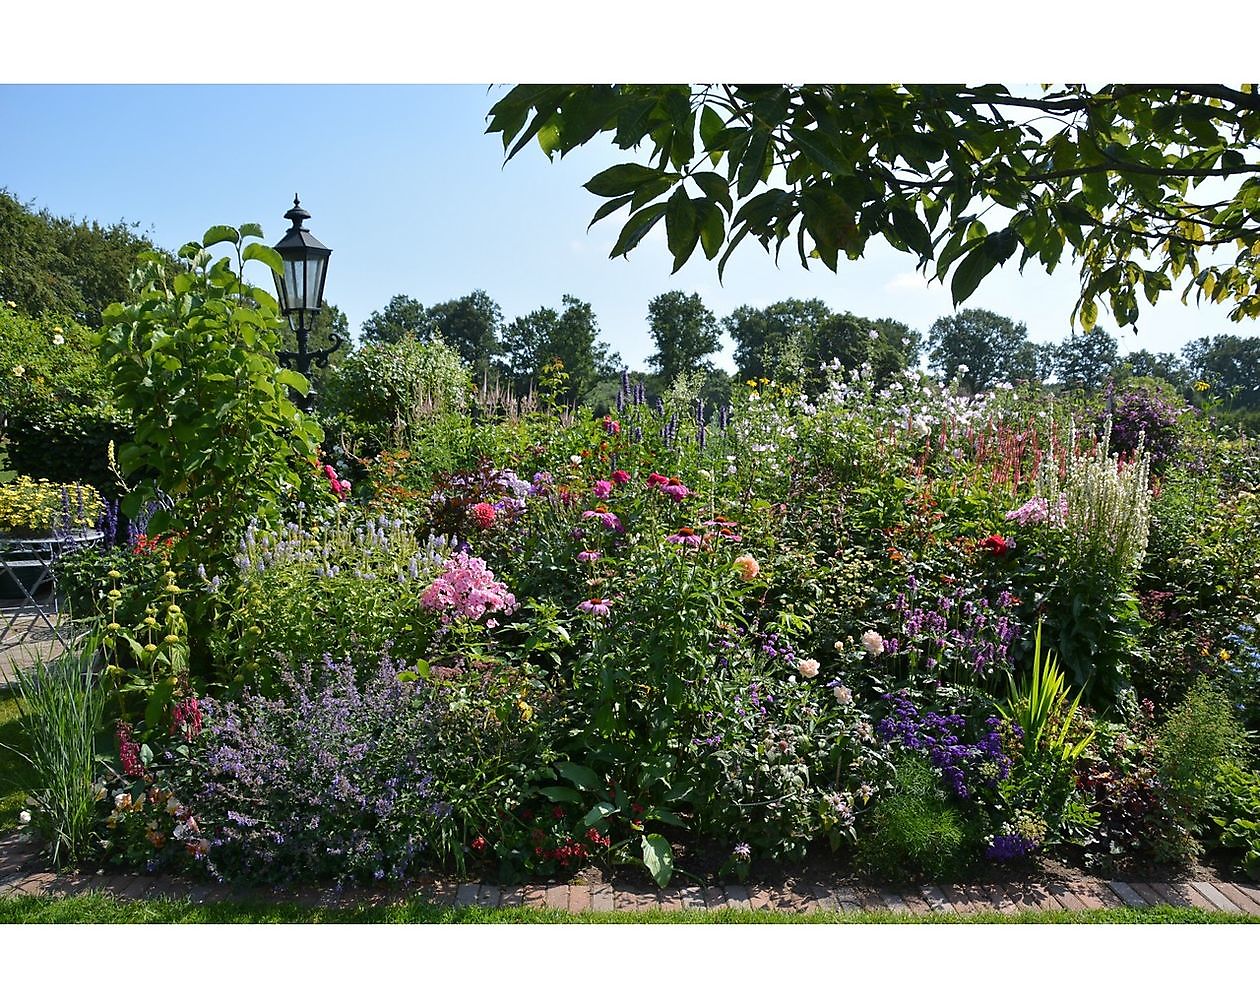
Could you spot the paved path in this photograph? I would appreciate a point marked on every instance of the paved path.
(21, 872)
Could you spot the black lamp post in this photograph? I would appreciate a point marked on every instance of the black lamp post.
(301, 291)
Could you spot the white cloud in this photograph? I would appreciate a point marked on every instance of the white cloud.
(907, 282)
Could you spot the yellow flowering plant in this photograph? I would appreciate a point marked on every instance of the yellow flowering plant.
(37, 507)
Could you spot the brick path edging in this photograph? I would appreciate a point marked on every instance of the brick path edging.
(20, 873)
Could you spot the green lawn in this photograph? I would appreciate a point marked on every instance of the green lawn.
(100, 909)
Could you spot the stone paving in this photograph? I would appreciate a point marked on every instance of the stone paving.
(21, 871)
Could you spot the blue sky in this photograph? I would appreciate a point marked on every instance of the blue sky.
(412, 196)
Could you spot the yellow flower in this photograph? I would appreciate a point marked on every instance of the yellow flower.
(1225, 655)
(527, 712)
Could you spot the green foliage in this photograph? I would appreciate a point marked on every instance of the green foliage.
(385, 394)
(402, 317)
(1043, 780)
(470, 326)
(981, 348)
(918, 165)
(193, 355)
(1233, 812)
(58, 266)
(63, 704)
(685, 333)
(1085, 359)
(533, 341)
(58, 411)
(914, 829)
(1199, 738)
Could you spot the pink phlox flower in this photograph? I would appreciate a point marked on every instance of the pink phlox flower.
(602, 489)
(467, 587)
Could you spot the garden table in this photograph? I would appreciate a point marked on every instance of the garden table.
(26, 572)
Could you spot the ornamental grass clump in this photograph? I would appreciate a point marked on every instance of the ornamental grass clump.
(63, 702)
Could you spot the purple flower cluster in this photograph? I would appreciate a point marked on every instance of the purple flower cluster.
(958, 634)
(1143, 413)
(1008, 847)
(331, 780)
(965, 765)
(775, 647)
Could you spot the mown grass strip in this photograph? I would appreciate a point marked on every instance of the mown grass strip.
(102, 909)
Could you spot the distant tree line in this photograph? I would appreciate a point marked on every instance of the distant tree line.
(57, 265)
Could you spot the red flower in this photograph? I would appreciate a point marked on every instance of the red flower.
(611, 426)
(996, 545)
(657, 480)
(483, 514)
(620, 477)
(479, 844)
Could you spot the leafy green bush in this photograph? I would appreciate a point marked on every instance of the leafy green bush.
(1233, 811)
(55, 402)
(1199, 738)
(384, 394)
(915, 829)
(193, 356)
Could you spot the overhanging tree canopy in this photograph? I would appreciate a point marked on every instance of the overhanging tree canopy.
(1114, 176)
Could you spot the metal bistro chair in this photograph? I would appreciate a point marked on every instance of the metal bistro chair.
(27, 564)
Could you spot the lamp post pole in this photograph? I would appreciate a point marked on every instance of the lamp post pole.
(301, 291)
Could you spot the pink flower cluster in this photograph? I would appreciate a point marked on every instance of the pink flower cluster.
(338, 486)
(467, 587)
(1037, 512)
(186, 718)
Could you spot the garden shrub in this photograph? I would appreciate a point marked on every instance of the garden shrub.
(193, 357)
(1233, 812)
(1199, 738)
(384, 394)
(914, 829)
(347, 774)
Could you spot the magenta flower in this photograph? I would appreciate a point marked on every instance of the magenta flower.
(684, 537)
(594, 607)
(589, 556)
(620, 477)
(606, 517)
(602, 489)
(674, 489)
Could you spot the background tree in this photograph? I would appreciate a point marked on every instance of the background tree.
(532, 341)
(470, 324)
(685, 333)
(1105, 173)
(403, 316)
(1230, 367)
(1086, 359)
(51, 264)
(1165, 366)
(992, 347)
(777, 341)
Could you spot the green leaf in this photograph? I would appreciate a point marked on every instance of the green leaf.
(549, 138)
(598, 812)
(710, 126)
(265, 254)
(716, 188)
(625, 178)
(658, 858)
(221, 233)
(682, 230)
(639, 224)
(612, 206)
(293, 380)
(753, 164)
(561, 794)
(974, 268)
(584, 777)
(712, 229)
(251, 231)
